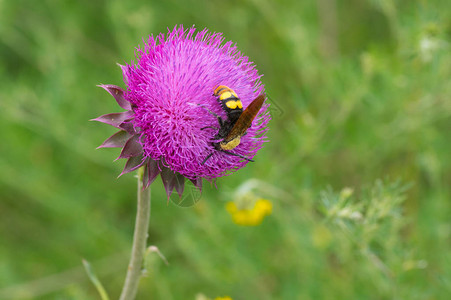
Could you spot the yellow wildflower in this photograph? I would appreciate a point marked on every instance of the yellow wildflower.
(223, 298)
(251, 216)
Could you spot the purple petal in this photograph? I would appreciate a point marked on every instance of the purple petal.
(124, 69)
(117, 140)
(115, 119)
(132, 164)
(118, 94)
(131, 148)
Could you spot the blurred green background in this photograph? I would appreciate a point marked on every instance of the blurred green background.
(358, 166)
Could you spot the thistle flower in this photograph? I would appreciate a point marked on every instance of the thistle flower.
(167, 125)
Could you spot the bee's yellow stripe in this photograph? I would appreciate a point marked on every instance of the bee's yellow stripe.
(230, 144)
(225, 95)
(233, 104)
(220, 89)
(224, 92)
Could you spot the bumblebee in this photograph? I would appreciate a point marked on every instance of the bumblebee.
(238, 121)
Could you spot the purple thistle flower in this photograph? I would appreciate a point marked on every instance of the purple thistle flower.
(169, 92)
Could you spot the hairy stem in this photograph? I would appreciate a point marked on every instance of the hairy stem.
(139, 242)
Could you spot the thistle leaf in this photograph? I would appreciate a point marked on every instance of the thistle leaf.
(96, 281)
(132, 164)
(117, 140)
(115, 119)
(179, 184)
(118, 94)
(169, 180)
(151, 172)
(131, 148)
(128, 126)
(197, 183)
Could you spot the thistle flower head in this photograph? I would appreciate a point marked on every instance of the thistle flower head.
(169, 124)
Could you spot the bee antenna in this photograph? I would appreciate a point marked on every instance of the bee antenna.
(236, 154)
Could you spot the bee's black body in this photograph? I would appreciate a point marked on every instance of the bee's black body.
(234, 127)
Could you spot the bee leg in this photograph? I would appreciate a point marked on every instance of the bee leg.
(220, 121)
(212, 127)
(205, 160)
(236, 154)
(209, 111)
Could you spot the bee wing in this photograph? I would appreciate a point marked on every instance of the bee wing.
(246, 118)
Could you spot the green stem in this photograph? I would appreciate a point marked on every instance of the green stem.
(139, 242)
